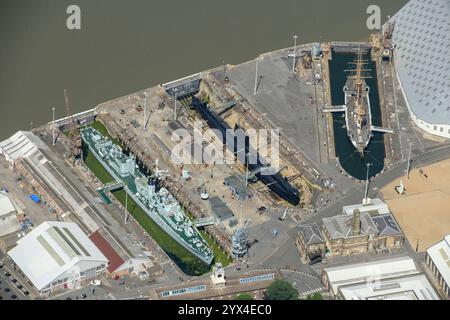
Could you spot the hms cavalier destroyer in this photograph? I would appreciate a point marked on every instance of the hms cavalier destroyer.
(358, 118)
(157, 202)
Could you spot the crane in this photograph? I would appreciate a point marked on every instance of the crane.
(73, 132)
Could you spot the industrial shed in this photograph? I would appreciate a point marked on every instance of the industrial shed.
(58, 255)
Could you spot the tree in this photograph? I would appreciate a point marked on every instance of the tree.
(244, 296)
(314, 296)
(281, 290)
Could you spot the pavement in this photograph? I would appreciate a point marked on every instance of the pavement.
(282, 98)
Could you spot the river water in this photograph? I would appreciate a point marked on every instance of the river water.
(124, 46)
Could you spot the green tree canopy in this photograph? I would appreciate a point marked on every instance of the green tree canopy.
(314, 296)
(281, 290)
(244, 296)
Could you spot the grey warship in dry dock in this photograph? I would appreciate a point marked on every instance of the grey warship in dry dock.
(157, 202)
(358, 118)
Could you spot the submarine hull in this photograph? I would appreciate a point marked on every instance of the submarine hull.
(275, 182)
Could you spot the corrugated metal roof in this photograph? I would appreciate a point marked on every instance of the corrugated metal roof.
(21, 144)
(115, 261)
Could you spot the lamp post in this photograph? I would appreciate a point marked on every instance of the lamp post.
(53, 127)
(144, 125)
(409, 161)
(295, 37)
(256, 77)
(367, 182)
(175, 108)
(126, 205)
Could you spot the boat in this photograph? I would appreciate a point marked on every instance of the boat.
(156, 201)
(358, 117)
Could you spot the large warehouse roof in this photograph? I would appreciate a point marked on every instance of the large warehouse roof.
(52, 249)
(422, 54)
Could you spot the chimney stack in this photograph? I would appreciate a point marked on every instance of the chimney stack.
(356, 223)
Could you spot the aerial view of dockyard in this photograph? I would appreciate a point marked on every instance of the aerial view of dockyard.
(296, 151)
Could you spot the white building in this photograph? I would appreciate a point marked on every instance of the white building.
(20, 145)
(8, 216)
(58, 255)
(409, 287)
(395, 279)
(421, 38)
(438, 260)
(372, 205)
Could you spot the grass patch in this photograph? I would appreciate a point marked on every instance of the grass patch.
(95, 166)
(219, 255)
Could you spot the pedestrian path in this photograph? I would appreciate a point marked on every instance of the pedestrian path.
(307, 293)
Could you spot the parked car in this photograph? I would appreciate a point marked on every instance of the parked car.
(315, 260)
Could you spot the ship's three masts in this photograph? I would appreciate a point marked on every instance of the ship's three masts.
(358, 105)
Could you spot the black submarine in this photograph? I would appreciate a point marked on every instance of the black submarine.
(260, 168)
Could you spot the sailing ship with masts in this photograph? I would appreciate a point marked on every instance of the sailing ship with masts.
(358, 117)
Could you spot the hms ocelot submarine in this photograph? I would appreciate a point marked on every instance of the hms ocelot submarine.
(247, 155)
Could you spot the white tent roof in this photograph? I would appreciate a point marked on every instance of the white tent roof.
(440, 254)
(53, 248)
